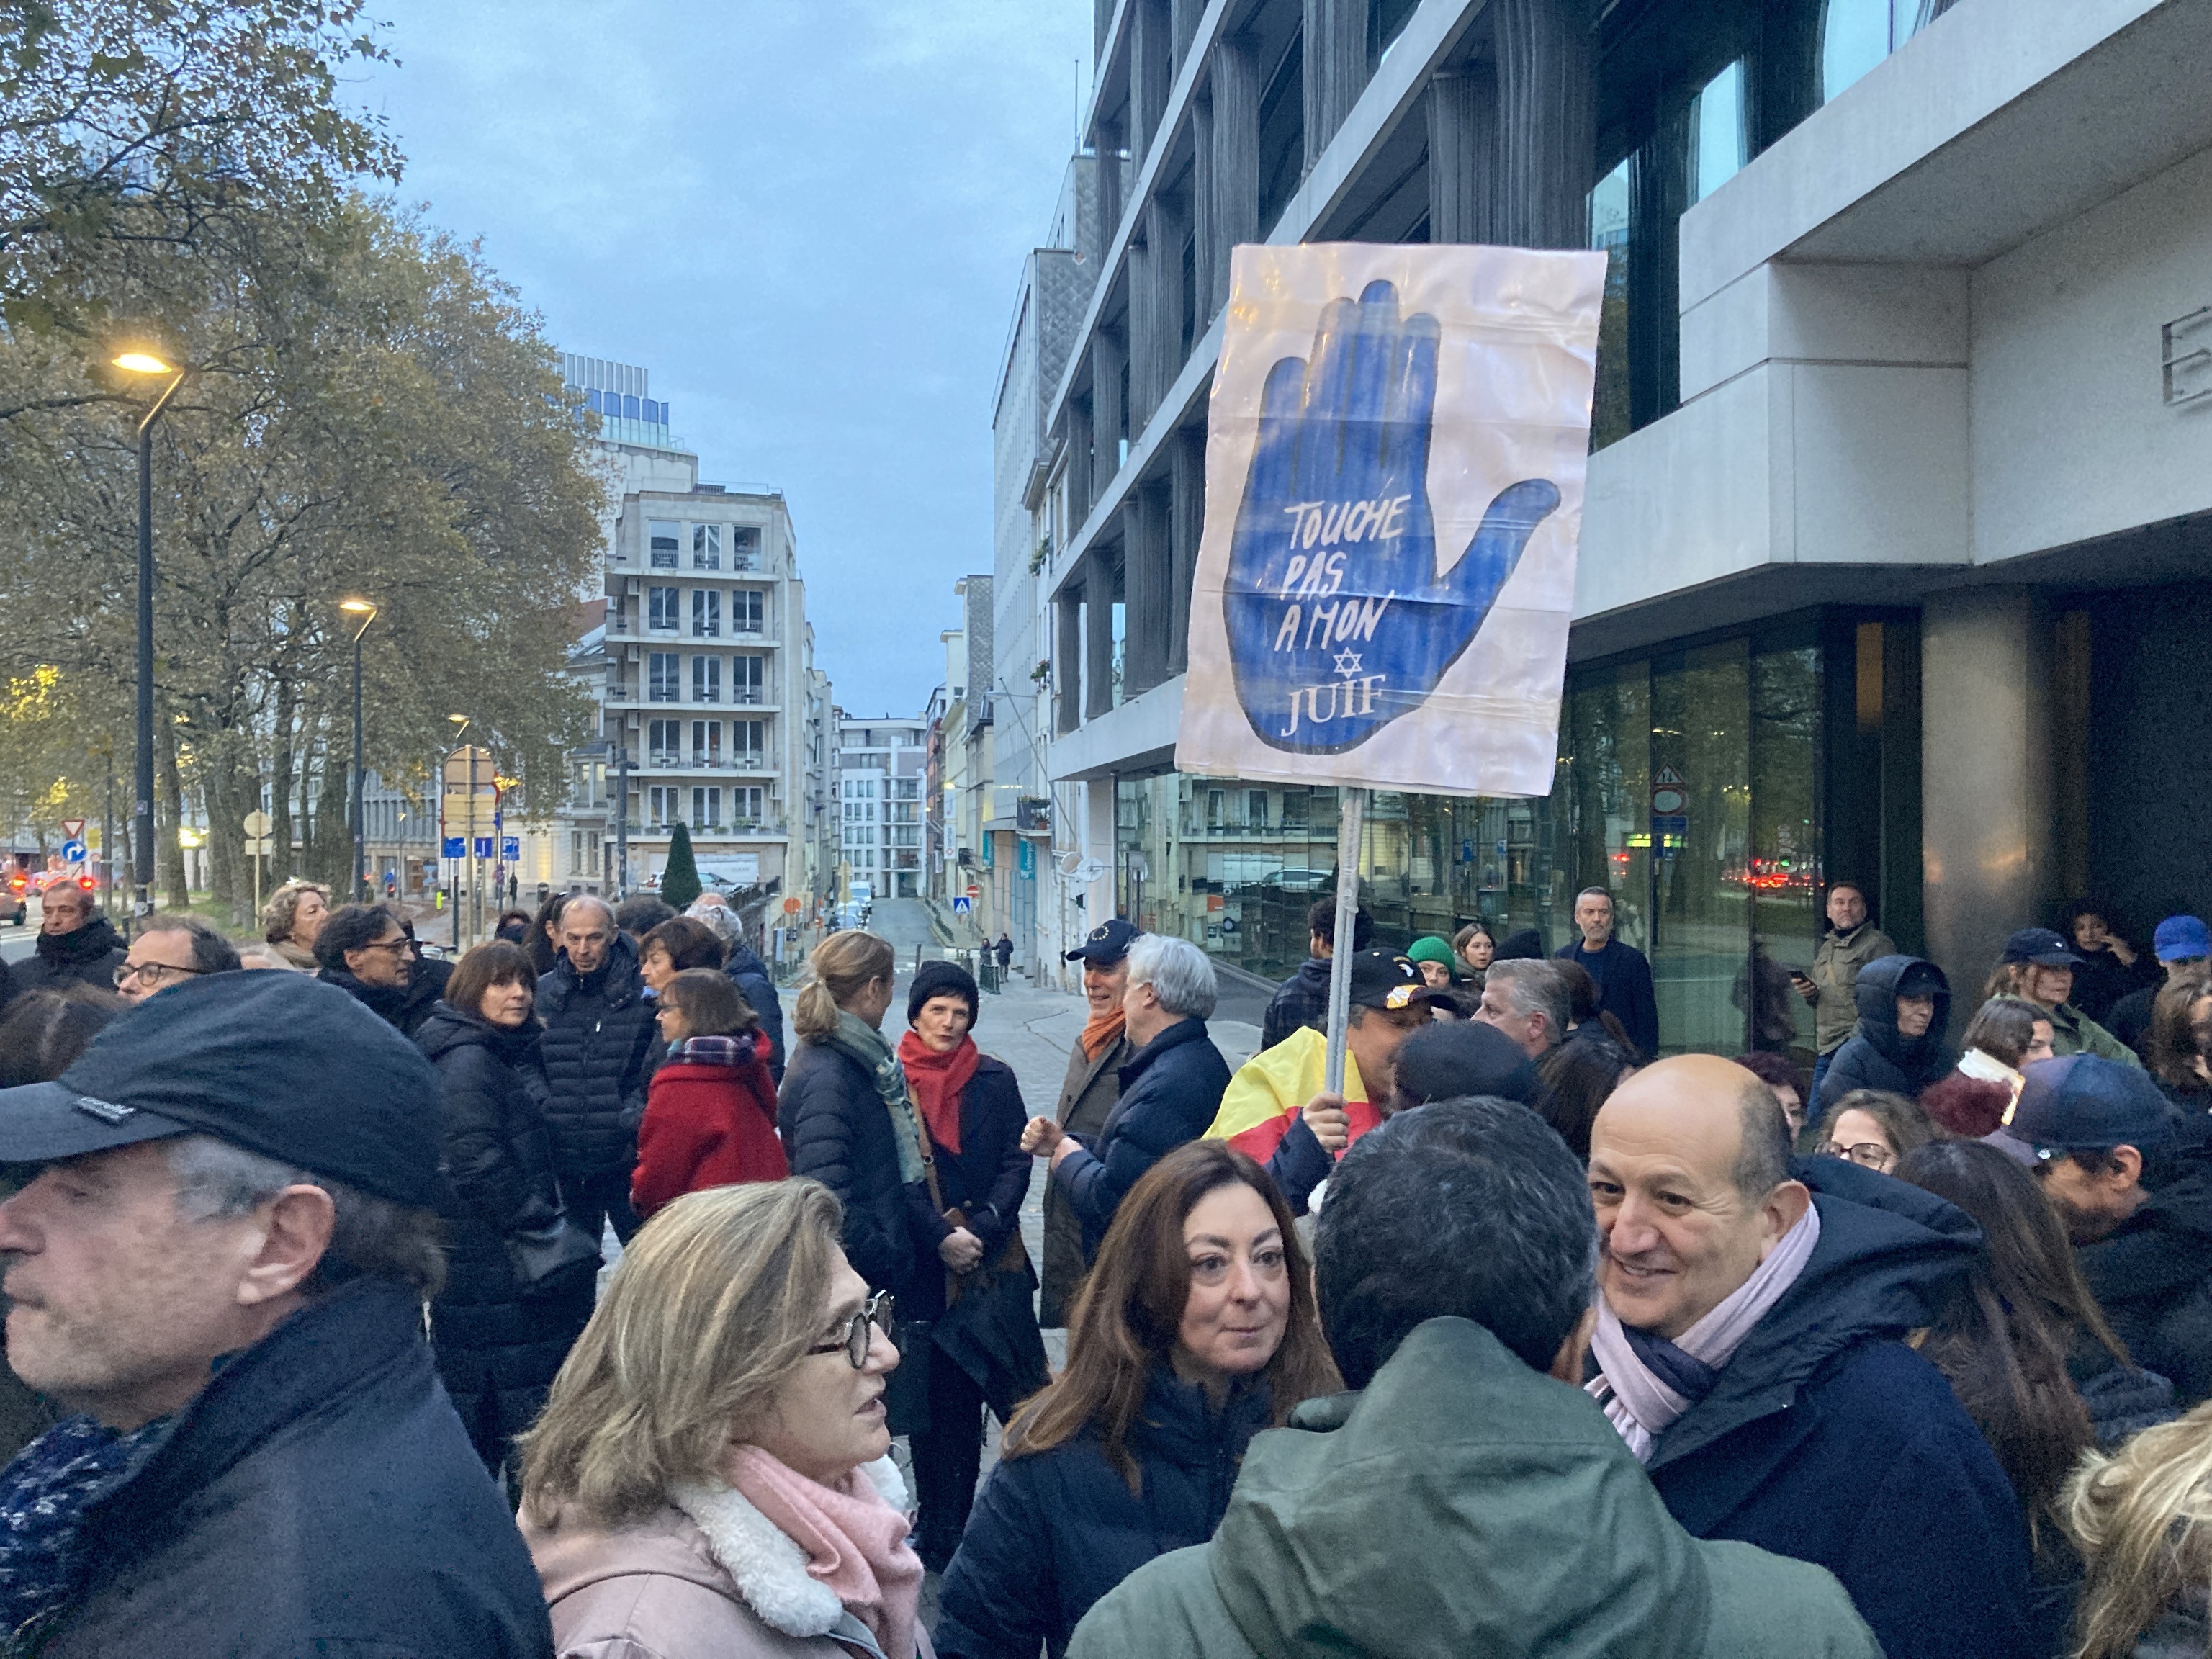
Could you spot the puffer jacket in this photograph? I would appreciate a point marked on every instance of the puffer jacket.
(750, 976)
(837, 1131)
(2152, 1275)
(89, 956)
(1054, 1531)
(598, 1046)
(1879, 1056)
(1170, 1091)
(1461, 1503)
(499, 1163)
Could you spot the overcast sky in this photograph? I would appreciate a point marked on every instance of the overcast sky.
(807, 218)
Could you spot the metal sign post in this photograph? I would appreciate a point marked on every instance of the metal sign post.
(1350, 824)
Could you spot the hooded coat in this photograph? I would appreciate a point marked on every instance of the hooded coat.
(598, 1038)
(499, 1163)
(89, 956)
(1877, 1055)
(2153, 1278)
(1462, 1504)
(1054, 1531)
(1826, 1438)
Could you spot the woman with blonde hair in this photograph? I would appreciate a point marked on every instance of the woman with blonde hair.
(712, 1477)
(847, 1117)
(2142, 1520)
(292, 919)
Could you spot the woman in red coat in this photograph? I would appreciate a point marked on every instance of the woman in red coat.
(710, 1116)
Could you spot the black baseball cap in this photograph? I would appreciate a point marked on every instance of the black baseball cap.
(1108, 943)
(2082, 1102)
(2040, 946)
(277, 1064)
(1386, 979)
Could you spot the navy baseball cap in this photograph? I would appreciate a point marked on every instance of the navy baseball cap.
(1386, 979)
(2082, 1102)
(1108, 943)
(277, 1064)
(2181, 939)
(2042, 947)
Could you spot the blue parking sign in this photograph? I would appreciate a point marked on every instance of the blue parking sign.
(510, 849)
(456, 848)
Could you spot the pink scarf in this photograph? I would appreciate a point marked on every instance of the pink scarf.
(855, 1542)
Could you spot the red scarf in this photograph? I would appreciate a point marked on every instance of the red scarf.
(936, 1081)
(1102, 1031)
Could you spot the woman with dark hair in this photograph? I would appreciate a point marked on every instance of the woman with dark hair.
(519, 1275)
(512, 928)
(1873, 1128)
(1791, 1089)
(677, 946)
(544, 942)
(2111, 967)
(1577, 1077)
(1586, 1019)
(1195, 1329)
(2006, 1035)
(710, 1111)
(2003, 1339)
(43, 1032)
(2180, 1039)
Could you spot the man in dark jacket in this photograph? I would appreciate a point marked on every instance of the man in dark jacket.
(260, 1460)
(2134, 1186)
(1621, 973)
(77, 945)
(1449, 1504)
(1171, 1089)
(1904, 1004)
(2181, 945)
(598, 1043)
(1087, 1095)
(1750, 1350)
(1303, 999)
(367, 954)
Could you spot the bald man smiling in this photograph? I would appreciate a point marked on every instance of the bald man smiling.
(1750, 1350)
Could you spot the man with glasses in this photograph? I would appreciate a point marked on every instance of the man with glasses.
(77, 945)
(365, 952)
(169, 949)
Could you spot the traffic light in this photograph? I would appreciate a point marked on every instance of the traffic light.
(89, 884)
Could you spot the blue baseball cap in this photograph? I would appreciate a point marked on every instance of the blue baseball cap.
(1108, 943)
(2181, 939)
(2082, 1102)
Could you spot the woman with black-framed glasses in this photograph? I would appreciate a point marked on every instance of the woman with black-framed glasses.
(711, 1478)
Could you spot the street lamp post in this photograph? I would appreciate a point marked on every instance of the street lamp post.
(145, 362)
(453, 886)
(367, 612)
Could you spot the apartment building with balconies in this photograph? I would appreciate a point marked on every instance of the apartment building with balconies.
(882, 767)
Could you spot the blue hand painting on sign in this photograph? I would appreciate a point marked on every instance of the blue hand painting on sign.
(1338, 622)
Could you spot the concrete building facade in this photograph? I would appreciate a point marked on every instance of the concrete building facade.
(882, 765)
(1894, 562)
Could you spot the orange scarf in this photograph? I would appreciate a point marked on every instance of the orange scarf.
(1102, 1032)
(936, 1081)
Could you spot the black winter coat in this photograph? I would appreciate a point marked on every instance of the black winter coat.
(319, 1497)
(1877, 1055)
(1170, 1091)
(1828, 1440)
(598, 1045)
(499, 1161)
(2153, 1278)
(752, 977)
(89, 956)
(837, 1130)
(987, 1180)
(1301, 1000)
(404, 1007)
(1622, 974)
(1053, 1531)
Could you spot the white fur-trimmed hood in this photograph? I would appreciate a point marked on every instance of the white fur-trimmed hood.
(768, 1568)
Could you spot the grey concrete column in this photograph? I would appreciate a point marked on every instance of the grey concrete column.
(1068, 652)
(1108, 419)
(1463, 110)
(1547, 122)
(1167, 227)
(1202, 211)
(1144, 568)
(1110, 143)
(1185, 523)
(1985, 808)
(1100, 586)
(1182, 23)
(1146, 323)
(1152, 70)
(1236, 159)
(1335, 67)
(1082, 463)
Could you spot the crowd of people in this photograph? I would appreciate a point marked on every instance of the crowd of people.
(1689, 1355)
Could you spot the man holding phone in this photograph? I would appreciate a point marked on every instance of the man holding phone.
(1852, 941)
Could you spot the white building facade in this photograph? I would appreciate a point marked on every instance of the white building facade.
(882, 765)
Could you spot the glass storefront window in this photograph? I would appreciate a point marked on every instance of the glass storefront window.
(1716, 132)
(1701, 749)
(1611, 417)
(1785, 875)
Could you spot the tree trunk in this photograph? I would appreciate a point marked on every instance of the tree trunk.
(169, 803)
(228, 778)
(333, 840)
(280, 792)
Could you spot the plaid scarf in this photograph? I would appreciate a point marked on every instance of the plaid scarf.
(44, 1493)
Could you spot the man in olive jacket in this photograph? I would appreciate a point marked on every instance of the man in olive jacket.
(1454, 1263)
(1852, 941)
(1093, 1085)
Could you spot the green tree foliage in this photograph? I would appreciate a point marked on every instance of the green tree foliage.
(679, 880)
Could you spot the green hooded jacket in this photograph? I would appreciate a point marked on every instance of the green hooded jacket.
(1463, 1504)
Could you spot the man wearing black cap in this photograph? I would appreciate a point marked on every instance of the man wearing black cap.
(2040, 966)
(219, 1272)
(2136, 1195)
(1275, 1107)
(1086, 1097)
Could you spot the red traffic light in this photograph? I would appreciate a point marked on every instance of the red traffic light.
(89, 884)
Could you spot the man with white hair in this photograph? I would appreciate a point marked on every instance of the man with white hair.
(1171, 1087)
(1528, 1001)
(598, 1046)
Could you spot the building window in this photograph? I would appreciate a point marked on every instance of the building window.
(665, 670)
(745, 811)
(662, 538)
(707, 809)
(1610, 415)
(665, 742)
(906, 837)
(663, 803)
(748, 742)
(706, 547)
(745, 548)
(706, 743)
(746, 678)
(706, 679)
(662, 608)
(746, 611)
(1716, 133)
(906, 789)
(1282, 136)
(1856, 34)
(706, 613)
